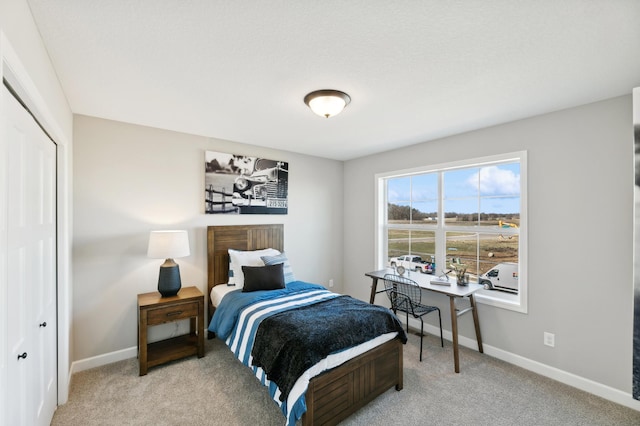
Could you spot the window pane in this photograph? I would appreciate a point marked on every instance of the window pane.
(462, 248)
(424, 187)
(500, 195)
(424, 199)
(399, 212)
(423, 244)
(399, 199)
(425, 213)
(461, 183)
(399, 190)
(398, 242)
(461, 197)
(462, 212)
(499, 256)
(497, 248)
(500, 212)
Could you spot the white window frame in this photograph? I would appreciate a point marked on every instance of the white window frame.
(486, 297)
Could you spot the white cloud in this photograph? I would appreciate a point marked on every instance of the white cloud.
(496, 181)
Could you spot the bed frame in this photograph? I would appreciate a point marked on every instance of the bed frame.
(335, 394)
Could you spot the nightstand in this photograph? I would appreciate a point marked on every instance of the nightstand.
(153, 309)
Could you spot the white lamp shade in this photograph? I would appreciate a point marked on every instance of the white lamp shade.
(168, 244)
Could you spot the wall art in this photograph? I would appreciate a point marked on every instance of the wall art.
(240, 184)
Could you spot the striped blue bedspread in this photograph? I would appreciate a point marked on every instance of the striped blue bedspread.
(236, 321)
(238, 317)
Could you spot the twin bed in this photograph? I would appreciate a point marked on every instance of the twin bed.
(337, 385)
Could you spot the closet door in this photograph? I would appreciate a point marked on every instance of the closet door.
(31, 267)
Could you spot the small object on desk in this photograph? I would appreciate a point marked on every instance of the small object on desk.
(441, 279)
(461, 273)
(400, 270)
(463, 280)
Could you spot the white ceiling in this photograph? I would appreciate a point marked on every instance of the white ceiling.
(416, 70)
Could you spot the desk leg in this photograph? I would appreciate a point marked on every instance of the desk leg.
(476, 322)
(454, 332)
(374, 288)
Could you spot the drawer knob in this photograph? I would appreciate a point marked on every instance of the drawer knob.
(171, 314)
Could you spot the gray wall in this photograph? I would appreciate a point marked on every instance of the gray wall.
(580, 200)
(131, 179)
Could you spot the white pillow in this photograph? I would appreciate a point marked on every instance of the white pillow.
(238, 259)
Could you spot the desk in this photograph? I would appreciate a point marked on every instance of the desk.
(453, 291)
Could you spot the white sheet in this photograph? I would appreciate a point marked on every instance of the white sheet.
(219, 291)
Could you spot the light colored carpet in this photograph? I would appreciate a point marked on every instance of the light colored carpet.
(218, 390)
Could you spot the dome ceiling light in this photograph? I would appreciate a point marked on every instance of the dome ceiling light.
(327, 103)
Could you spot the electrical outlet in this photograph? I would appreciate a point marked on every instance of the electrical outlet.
(331, 282)
(549, 339)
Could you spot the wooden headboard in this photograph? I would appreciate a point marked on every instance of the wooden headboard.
(238, 237)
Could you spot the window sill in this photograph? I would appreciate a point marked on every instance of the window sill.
(512, 302)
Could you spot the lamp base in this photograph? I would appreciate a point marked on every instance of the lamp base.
(169, 280)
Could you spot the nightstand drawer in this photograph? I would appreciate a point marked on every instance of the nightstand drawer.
(172, 313)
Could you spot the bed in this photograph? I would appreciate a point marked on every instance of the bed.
(335, 394)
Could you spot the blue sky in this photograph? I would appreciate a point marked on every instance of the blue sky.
(490, 189)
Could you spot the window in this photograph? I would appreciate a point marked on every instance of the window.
(470, 213)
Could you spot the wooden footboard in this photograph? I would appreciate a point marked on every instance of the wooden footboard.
(338, 393)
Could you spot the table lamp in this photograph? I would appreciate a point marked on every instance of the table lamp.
(168, 245)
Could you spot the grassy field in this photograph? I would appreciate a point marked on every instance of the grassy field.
(479, 252)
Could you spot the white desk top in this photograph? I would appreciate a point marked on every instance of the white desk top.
(424, 281)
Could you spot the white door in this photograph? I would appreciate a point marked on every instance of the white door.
(30, 185)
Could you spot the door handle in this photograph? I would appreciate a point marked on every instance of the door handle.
(23, 356)
(44, 324)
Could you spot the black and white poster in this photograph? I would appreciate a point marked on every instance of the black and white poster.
(239, 184)
(636, 247)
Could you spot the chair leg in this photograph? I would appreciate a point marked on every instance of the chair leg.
(440, 319)
(407, 322)
(421, 336)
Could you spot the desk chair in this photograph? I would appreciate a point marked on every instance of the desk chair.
(406, 296)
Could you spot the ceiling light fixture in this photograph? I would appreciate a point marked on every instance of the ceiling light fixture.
(327, 103)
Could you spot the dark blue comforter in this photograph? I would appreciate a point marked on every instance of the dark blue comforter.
(290, 342)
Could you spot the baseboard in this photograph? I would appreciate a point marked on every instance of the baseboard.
(595, 388)
(100, 360)
(561, 376)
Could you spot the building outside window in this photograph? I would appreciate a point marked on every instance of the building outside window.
(469, 214)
